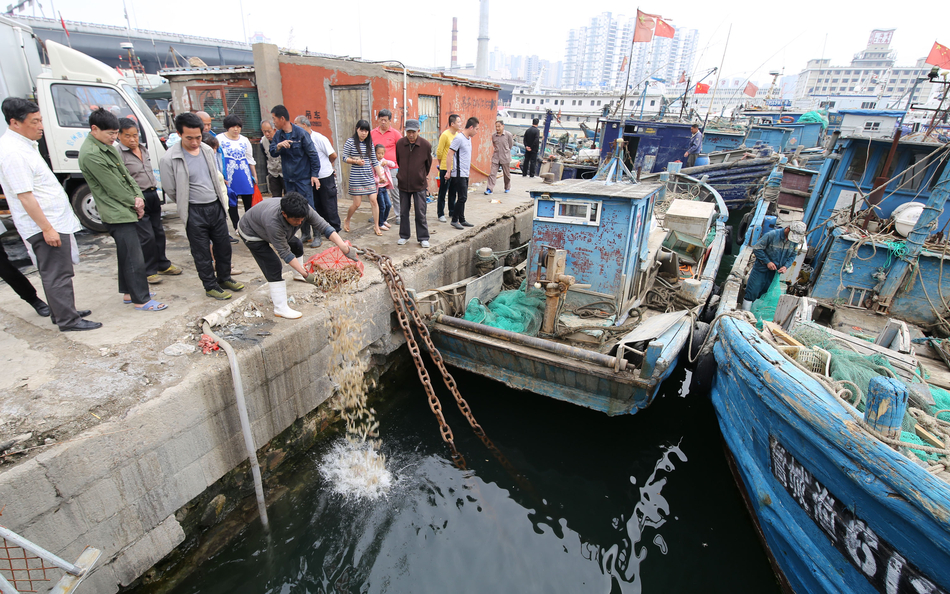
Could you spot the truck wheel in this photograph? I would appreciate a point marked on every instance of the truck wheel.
(85, 208)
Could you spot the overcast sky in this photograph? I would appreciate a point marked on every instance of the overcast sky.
(419, 33)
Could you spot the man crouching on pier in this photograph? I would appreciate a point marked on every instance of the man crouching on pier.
(273, 222)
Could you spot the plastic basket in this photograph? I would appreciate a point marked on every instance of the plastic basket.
(813, 359)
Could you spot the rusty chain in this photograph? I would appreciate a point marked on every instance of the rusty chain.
(413, 346)
(403, 302)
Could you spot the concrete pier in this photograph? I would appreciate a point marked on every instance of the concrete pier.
(105, 437)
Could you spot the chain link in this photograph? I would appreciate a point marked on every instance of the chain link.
(403, 302)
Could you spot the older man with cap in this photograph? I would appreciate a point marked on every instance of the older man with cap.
(414, 158)
(774, 252)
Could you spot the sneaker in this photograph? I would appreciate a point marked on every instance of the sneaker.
(402, 241)
(171, 270)
(424, 243)
(218, 293)
(506, 191)
(233, 239)
(457, 225)
(488, 191)
(231, 285)
(153, 279)
(467, 224)
(442, 219)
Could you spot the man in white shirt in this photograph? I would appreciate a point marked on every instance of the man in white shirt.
(324, 197)
(41, 211)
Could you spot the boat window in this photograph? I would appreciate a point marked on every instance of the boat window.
(859, 162)
(872, 126)
(915, 173)
(576, 212)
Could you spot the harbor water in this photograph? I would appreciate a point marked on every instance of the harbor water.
(584, 503)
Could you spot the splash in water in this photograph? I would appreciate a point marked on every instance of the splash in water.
(356, 470)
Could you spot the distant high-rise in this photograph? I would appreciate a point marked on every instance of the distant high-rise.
(594, 55)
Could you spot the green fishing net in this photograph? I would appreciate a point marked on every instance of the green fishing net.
(908, 437)
(764, 307)
(516, 311)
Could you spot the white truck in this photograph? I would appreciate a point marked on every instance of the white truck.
(67, 90)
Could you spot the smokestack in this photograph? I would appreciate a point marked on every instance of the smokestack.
(455, 43)
(481, 63)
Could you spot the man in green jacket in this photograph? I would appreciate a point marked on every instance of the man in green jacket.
(120, 204)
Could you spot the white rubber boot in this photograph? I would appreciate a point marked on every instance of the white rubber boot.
(278, 294)
(746, 305)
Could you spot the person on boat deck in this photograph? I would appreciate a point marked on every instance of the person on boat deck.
(774, 252)
(695, 145)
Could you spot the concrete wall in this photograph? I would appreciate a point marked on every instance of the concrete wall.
(306, 87)
(119, 485)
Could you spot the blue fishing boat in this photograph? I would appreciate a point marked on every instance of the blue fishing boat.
(834, 412)
(616, 277)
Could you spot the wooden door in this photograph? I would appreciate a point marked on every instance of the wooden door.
(350, 104)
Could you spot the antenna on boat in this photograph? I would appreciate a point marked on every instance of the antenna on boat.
(716, 88)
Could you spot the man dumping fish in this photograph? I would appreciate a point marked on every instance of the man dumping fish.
(774, 252)
(273, 223)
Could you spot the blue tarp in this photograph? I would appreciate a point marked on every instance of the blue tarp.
(884, 113)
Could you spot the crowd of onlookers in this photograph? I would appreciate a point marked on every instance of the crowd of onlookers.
(211, 177)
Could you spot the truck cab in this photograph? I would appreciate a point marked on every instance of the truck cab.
(67, 91)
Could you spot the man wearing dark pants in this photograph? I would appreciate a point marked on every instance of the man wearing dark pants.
(275, 178)
(151, 232)
(324, 197)
(274, 223)
(532, 144)
(299, 159)
(120, 204)
(460, 163)
(189, 178)
(414, 157)
(442, 154)
(41, 211)
(20, 284)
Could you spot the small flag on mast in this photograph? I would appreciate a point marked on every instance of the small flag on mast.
(939, 56)
(751, 89)
(63, 23)
(664, 29)
(701, 89)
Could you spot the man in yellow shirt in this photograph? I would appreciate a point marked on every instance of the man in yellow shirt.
(442, 154)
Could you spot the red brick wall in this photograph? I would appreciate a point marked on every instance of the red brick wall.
(304, 92)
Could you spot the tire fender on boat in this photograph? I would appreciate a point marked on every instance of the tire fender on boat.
(700, 331)
(743, 228)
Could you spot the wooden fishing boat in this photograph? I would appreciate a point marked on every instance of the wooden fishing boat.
(625, 271)
(832, 413)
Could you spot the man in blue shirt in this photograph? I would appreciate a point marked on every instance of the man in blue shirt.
(695, 145)
(774, 253)
(299, 159)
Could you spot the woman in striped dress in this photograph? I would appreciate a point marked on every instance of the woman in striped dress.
(359, 153)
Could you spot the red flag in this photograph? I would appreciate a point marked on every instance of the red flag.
(701, 89)
(643, 31)
(664, 29)
(623, 65)
(682, 78)
(939, 56)
(751, 89)
(63, 23)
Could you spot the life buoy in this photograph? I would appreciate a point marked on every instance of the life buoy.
(786, 120)
(743, 228)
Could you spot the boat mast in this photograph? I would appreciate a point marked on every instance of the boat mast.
(718, 76)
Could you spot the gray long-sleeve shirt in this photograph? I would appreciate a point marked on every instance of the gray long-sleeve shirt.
(265, 222)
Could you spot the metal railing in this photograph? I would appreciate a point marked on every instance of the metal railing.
(24, 564)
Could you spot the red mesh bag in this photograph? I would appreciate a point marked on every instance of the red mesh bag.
(331, 259)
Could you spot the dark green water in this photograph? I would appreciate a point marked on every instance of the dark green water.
(592, 487)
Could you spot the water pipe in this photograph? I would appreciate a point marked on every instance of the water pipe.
(214, 319)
